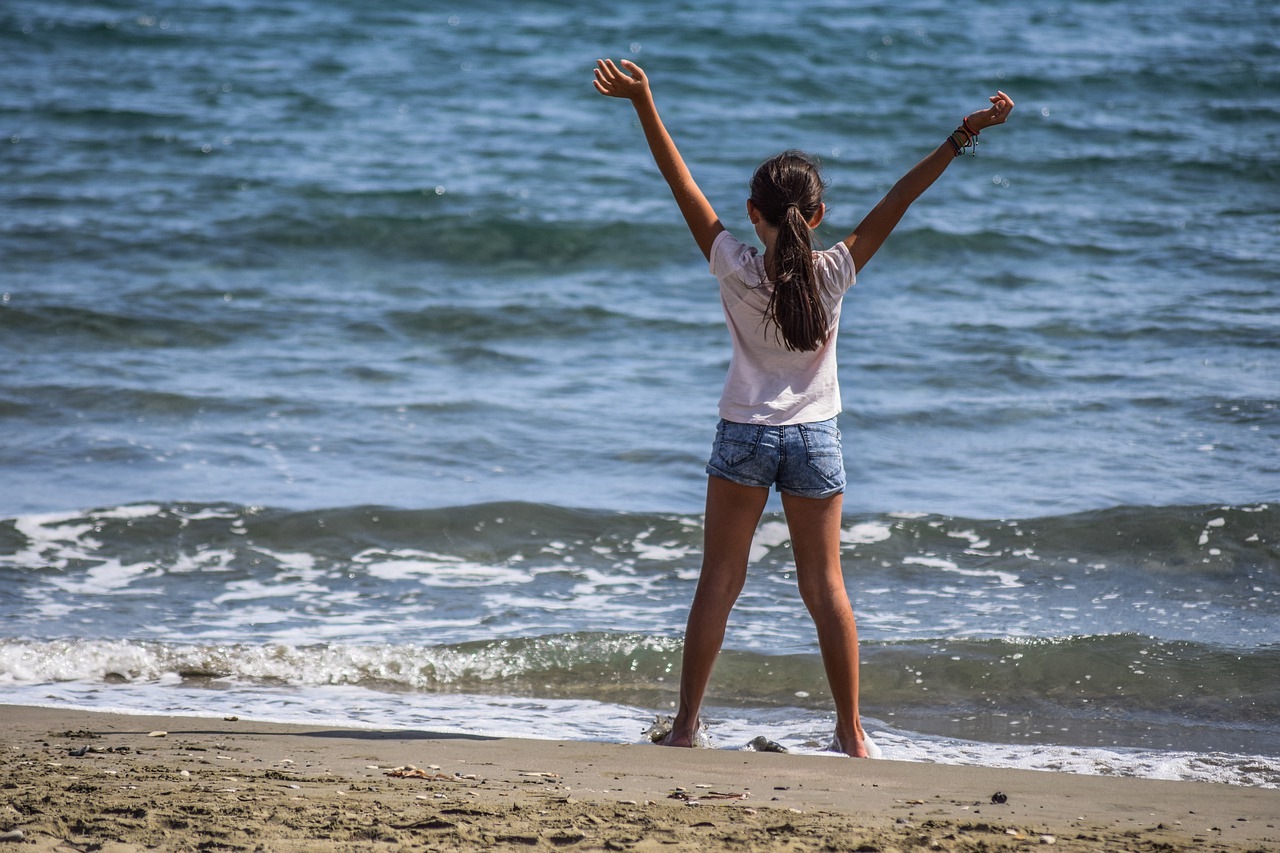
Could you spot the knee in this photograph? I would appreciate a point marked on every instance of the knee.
(822, 591)
(721, 583)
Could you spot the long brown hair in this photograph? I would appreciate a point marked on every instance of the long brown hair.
(787, 191)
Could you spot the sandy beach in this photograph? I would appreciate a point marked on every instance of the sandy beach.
(79, 781)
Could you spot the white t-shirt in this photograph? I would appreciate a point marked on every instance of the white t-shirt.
(768, 383)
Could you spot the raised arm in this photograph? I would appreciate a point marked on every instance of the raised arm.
(872, 231)
(697, 211)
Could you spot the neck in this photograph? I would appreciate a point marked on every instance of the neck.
(768, 235)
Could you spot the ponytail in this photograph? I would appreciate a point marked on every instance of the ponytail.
(787, 190)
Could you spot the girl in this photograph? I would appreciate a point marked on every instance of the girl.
(780, 401)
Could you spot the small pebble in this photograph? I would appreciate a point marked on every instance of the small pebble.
(1048, 839)
(12, 835)
(158, 734)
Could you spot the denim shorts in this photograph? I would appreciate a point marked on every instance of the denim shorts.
(798, 459)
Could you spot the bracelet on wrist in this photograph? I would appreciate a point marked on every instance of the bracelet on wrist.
(964, 136)
(960, 139)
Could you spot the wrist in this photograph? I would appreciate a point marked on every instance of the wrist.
(964, 136)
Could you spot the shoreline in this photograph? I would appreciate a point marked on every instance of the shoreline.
(112, 782)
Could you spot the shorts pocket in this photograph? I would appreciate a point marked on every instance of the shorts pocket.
(823, 451)
(736, 443)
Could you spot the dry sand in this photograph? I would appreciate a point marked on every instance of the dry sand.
(83, 781)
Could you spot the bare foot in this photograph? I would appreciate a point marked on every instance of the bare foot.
(664, 732)
(864, 748)
(672, 739)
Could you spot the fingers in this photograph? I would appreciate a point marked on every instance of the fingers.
(610, 71)
(1001, 106)
(606, 74)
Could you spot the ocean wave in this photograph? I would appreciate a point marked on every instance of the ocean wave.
(1102, 690)
(417, 229)
(571, 665)
(485, 335)
(1233, 542)
(99, 328)
(1100, 675)
(57, 403)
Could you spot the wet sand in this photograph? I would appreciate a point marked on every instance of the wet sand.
(82, 781)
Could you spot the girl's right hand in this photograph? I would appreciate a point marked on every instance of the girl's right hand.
(612, 82)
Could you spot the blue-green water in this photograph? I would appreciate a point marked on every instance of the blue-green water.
(359, 356)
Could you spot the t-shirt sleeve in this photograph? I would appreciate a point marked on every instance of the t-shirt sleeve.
(837, 268)
(728, 255)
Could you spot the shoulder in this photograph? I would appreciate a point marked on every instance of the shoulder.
(728, 254)
(836, 267)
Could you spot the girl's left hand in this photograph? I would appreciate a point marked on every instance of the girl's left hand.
(997, 113)
(612, 82)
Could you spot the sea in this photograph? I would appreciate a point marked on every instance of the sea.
(358, 369)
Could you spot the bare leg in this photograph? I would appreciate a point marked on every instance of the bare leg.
(733, 511)
(815, 541)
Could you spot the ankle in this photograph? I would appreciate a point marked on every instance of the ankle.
(684, 724)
